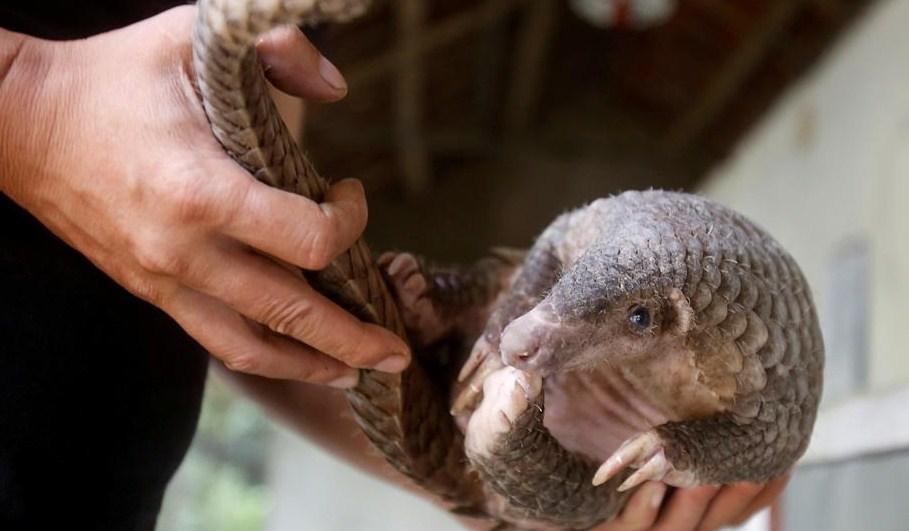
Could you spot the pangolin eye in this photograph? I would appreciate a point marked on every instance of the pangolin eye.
(639, 317)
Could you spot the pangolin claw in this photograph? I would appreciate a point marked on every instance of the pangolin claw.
(507, 393)
(646, 453)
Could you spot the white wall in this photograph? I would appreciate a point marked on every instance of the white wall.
(827, 173)
(827, 170)
(313, 491)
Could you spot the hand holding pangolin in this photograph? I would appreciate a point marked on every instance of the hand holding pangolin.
(656, 317)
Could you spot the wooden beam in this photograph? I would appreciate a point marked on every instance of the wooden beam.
(413, 157)
(532, 50)
(723, 88)
(458, 141)
(490, 73)
(442, 33)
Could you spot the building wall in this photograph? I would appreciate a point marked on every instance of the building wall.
(827, 173)
(313, 491)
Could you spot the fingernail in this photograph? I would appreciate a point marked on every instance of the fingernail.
(345, 382)
(394, 363)
(332, 75)
(659, 491)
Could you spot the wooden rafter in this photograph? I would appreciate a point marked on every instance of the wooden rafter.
(432, 38)
(723, 88)
(413, 157)
(534, 39)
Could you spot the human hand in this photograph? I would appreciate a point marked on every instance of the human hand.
(106, 143)
(704, 508)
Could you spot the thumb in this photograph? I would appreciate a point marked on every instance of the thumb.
(295, 66)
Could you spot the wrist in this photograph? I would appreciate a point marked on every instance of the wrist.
(26, 111)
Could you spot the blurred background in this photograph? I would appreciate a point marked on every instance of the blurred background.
(473, 123)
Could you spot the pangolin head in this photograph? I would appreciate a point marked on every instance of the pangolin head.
(623, 297)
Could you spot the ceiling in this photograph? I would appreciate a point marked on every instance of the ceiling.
(458, 107)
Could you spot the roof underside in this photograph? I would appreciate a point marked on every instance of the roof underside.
(488, 117)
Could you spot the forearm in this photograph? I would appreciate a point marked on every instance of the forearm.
(323, 416)
(320, 414)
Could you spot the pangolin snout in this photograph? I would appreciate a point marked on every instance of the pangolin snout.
(529, 342)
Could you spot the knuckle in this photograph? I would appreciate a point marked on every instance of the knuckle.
(192, 204)
(245, 363)
(358, 351)
(319, 249)
(235, 200)
(160, 259)
(147, 291)
(290, 318)
(312, 373)
(137, 282)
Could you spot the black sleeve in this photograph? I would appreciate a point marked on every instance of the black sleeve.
(69, 19)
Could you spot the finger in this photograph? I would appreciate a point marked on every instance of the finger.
(295, 66)
(641, 510)
(685, 509)
(267, 293)
(731, 501)
(764, 498)
(249, 348)
(295, 229)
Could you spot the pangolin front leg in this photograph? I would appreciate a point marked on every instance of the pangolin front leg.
(439, 302)
(645, 452)
(720, 449)
(539, 484)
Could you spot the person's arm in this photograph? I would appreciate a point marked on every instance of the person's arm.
(324, 417)
(105, 142)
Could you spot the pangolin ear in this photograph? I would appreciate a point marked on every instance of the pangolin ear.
(681, 314)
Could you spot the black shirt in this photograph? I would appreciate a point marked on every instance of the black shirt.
(71, 19)
(100, 392)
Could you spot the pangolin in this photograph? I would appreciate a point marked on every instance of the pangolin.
(655, 318)
(669, 335)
